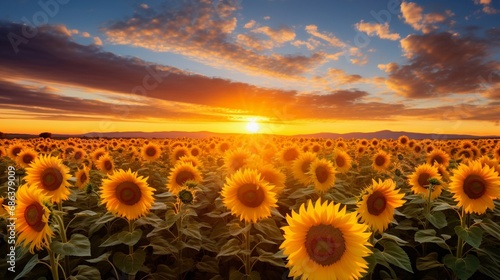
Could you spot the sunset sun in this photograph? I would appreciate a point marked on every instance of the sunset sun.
(252, 127)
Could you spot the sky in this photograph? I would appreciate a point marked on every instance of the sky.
(289, 66)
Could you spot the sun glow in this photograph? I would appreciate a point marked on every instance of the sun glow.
(253, 127)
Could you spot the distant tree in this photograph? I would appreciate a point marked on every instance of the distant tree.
(45, 135)
(2, 135)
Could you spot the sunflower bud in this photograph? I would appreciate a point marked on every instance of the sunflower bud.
(398, 172)
(434, 181)
(186, 196)
(400, 157)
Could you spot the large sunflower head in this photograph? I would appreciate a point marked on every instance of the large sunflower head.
(419, 180)
(180, 174)
(106, 164)
(475, 186)
(150, 152)
(78, 155)
(26, 157)
(289, 154)
(98, 154)
(177, 153)
(51, 176)
(14, 149)
(342, 160)
(273, 176)
(322, 174)
(248, 196)
(236, 159)
(127, 195)
(403, 140)
(82, 177)
(300, 167)
(32, 216)
(376, 208)
(381, 161)
(322, 241)
(438, 156)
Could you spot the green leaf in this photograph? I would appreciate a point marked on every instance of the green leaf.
(429, 236)
(129, 264)
(85, 213)
(28, 267)
(107, 217)
(268, 257)
(437, 219)
(428, 262)
(473, 235)
(269, 228)
(192, 230)
(489, 266)
(78, 245)
(85, 272)
(101, 258)
(464, 268)
(398, 240)
(208, 264)
(125, 237)
(170, 218)
(149, 219)
(162, 247)
(236, 229)
(232, 247)
(490, 227)
(395, 255)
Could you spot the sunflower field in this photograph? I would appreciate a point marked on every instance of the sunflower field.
(250, 207)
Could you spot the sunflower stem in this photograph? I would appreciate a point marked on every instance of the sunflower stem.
(460, 242)
(54, 267)
(131, 247)
(248, 264)
(62, 232)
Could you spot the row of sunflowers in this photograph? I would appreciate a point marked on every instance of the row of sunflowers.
(251, 207)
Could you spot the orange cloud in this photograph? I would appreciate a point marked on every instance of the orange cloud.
(378, 29)
(328, 37)
(413, 14)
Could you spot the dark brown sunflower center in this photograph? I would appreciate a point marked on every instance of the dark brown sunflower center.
(423, 180)
(51, 179)
(380, 160)
(183, 176)
(28, 158)
(108, 165)
(290, 154)
(340, 161)
(98, 155)
(404, 141)
(316, 149)
(16, 151)
(376, 203)
(180, 154)
(195, 152)
(83, 177)
(128, 193)
(78, 155)
(33, 214)
(325, 244)
(474, 186)
(305, 166)
(437, 159)
(238, 162)
(151, 151)
(417, 149)
(251, 195)
(321, 174)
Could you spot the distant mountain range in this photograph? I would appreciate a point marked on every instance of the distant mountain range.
(383, 134)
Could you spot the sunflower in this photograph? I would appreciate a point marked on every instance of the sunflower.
(196, 162)
(180, 174)
(381, 161)
(26, 157)
(150, 152)
(300, 167)
(50, 175)
(322, 241)
(376, 207)
(177, 153)
(474, 187)
(32, 216)
(82, 177)
(288, 155)
(322, 174)
(127, 195)
(78, 155)
(2, 152)
(195, 151)
(342, 160)
(439, 156)
(248, 196)
(14, 149)
(273, 176)
(105, 164)
(419, 180)
(403, 140)
(97, 154)
(236, 159)
(223, 146)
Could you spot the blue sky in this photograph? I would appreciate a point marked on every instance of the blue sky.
(362, 58)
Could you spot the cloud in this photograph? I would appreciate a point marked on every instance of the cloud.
(441, 64)
(340, 77)
(311, 44)
(279, 35)
(378, 29)
(85, 34)
(250, 24)
(97, 41)
(413, 15)
(251, 41)
(487, 7)
(204, 31)
(328, 37)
